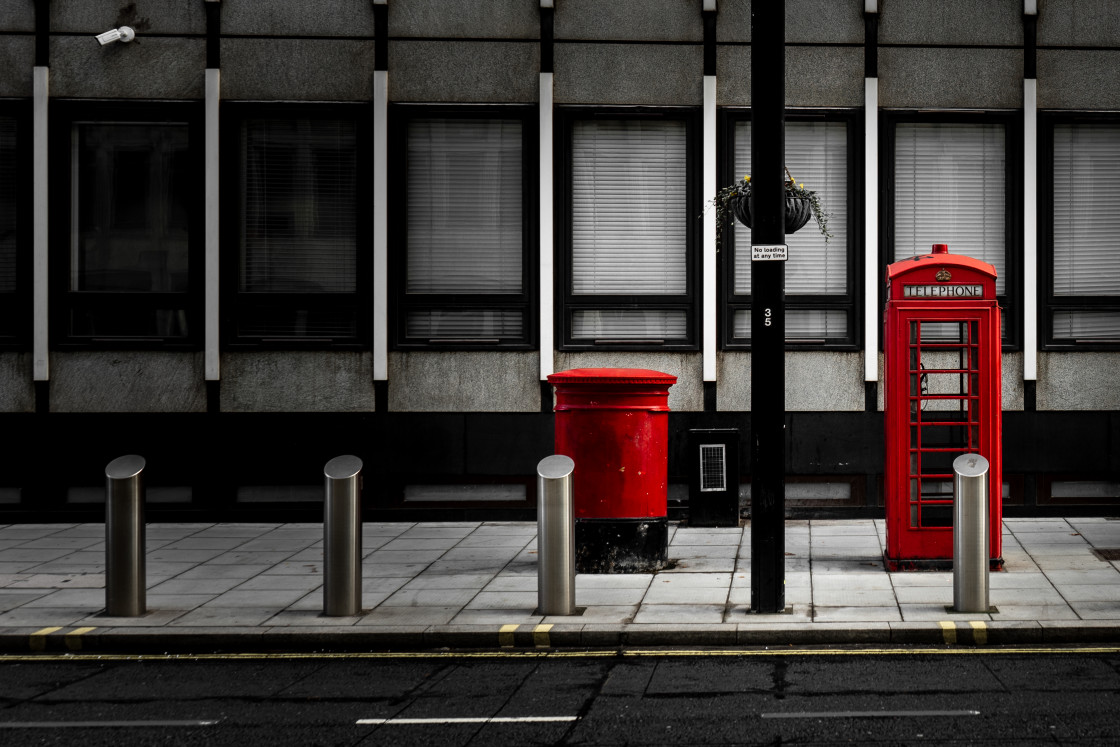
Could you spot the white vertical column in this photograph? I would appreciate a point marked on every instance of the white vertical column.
(380, 229)
(871, 315)
(40, 224)
(1030, 235)
(710, 294)
(547, 279)
(211, 331)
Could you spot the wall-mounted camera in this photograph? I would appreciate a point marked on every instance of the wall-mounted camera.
(123, 34)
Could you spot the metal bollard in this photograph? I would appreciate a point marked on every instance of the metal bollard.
(970, 533)
(556, 539)
(125, 571)
(342, 537)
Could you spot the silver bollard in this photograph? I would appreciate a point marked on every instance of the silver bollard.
(125, 571)
(970, 533)
(342, 537)
(556, 539)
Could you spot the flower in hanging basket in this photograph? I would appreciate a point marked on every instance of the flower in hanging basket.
(800, 204)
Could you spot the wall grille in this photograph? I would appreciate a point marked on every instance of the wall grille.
(713, 468)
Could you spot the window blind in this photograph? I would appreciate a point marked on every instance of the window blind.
(950, 184)
(7, 205)
(298, 206)
(465, 232)
(629, 207)
(1086, 226)
(816, 156)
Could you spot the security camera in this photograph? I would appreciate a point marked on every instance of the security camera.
(123, 34)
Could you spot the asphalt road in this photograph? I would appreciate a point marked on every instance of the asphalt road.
(610, 698)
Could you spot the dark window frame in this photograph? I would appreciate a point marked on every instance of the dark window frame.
(689, 302)
(1049, 302)
(400, 116)
(234, 302)
(17, 305)
(852, 301)
(64, 115)
(1011, 301)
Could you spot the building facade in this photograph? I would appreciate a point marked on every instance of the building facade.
(260, 235)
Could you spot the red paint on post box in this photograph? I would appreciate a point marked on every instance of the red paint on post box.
(614, 423)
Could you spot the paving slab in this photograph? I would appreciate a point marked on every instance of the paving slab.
(473, 584)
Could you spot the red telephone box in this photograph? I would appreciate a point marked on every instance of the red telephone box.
(941, 343)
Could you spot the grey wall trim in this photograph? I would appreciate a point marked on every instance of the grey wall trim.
(212, 364)
(871, 230)
(380, 229)
(547, 277)
(1030, 225)
(40, 224)
(708, 273)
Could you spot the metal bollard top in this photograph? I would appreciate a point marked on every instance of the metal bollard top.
(343, 467)
(125, 467)
(555, 467)
(970, 465)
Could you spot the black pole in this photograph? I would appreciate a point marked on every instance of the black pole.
(768, 317)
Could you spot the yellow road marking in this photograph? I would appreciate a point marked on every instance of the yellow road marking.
(540, 635)
(948, 631)
(74, 640)
(39, 637)
(553, 654)
(505, 635)
(979, 632)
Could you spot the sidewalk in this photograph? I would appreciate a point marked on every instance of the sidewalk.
(251, 587)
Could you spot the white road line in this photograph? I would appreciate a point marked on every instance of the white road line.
(89, 724)
(868, 714)
(467, 720)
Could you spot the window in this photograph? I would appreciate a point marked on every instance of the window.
(1083, 212)
(14, 188)
(125, 229)
(462, 235)
(955, 180)
(298, 220)
(819, 275)
(629, 229)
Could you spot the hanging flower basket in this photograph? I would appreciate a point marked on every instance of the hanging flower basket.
(801, 203)
(798, 211)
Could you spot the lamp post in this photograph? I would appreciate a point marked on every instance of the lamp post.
(768, 307)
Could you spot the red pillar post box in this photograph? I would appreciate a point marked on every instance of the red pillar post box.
(941, 345)
(614, 423)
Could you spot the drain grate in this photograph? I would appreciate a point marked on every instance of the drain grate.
(1109, 554)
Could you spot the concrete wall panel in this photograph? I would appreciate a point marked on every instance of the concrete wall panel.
(968, 22)
(478, 19)
(464, 72)
(297, 382)
(1079, 23)
(464, 382)
(1078, 381)
(17, 57)
(127, 381)
(807, 21)
(939, 78)
(686, 394)
(815, 76)
(144, 16)
(1012, 381)
(1078, 79)
(153, 68)
(629, 74)
(629, 20)
(296, 69)
(17, 15)
(816, 381)
(17, 391)
(297, 17)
